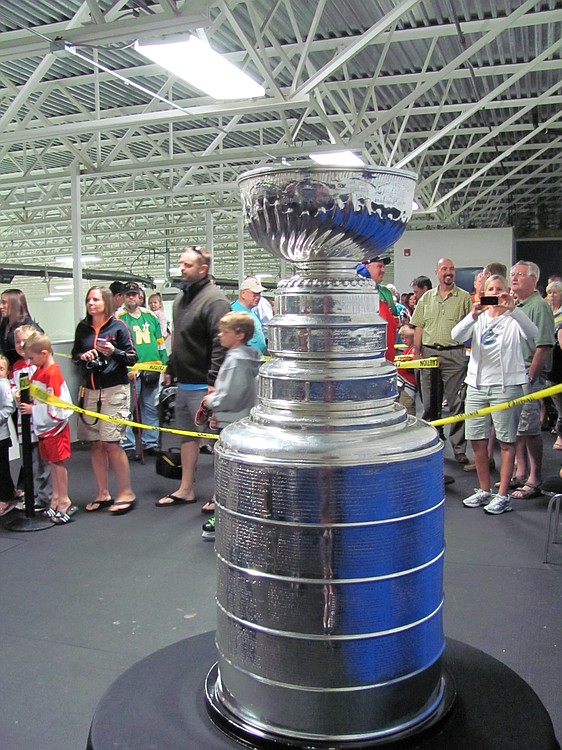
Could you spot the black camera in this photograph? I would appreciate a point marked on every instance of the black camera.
(96, 365)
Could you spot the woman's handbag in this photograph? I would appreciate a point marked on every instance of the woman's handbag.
(169, 464)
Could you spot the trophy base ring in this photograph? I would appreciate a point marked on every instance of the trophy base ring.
(255, 737)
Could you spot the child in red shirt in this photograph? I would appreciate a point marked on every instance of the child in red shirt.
(41, 471)
(51, 423)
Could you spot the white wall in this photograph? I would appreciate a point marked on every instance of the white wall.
(465, 247)
(56, 318)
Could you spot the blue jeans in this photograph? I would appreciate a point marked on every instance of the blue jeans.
(146, 395)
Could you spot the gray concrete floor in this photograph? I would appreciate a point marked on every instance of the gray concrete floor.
(84, 602)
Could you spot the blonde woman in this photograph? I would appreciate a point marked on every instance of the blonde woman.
(496, 374)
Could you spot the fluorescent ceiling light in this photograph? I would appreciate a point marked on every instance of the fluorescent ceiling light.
(338, 159)
(64, 286)
(197, 63)
(52, 298)
(260, 276)
(159, 281)
(68, 260)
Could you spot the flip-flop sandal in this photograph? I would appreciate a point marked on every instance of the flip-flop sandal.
(527, 492)
(124, 507)
(61, 518)
(50, 512)
(514, 484)
(208, 508)
(100, 504)
(175, 501)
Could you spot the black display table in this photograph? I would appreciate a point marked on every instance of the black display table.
(159, 704)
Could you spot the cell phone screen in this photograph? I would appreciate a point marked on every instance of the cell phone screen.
(485, 300)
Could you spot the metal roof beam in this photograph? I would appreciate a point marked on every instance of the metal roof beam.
(24, 43)
(352, 49)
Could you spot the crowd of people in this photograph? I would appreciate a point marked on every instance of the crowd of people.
(214, 362)
(492, 346)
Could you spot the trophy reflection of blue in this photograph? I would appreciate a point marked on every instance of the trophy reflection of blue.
(353, 555)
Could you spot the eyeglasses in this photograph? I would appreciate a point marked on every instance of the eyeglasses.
(518, 273)
(196, 249)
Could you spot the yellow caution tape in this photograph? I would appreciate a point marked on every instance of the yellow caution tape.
(536, 396)
(417, 363)
(40, 395)
(149, 366)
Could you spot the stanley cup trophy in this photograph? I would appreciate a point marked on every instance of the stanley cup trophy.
(330, 502)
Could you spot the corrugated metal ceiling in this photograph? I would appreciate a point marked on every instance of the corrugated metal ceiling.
(467, 93)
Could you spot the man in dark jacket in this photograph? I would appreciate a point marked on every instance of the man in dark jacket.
(196, 357)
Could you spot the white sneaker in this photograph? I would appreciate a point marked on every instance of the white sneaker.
(499, 504)
(480, 497)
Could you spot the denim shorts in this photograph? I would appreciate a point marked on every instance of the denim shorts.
(505, 421)
(530, 419)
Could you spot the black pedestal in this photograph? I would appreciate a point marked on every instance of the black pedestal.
(159, 704)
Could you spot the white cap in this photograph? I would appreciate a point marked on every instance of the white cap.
(252, 284)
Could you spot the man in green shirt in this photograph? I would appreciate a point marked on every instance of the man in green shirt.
(538, 356)
(387, 307)
(149, 344)
(436, 313)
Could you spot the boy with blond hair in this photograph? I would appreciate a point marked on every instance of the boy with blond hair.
(51, 423)
(235, 388)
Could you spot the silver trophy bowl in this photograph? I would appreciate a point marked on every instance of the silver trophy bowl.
(329, 527)
(319, 214)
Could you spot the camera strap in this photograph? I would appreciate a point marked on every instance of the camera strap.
(81, 398)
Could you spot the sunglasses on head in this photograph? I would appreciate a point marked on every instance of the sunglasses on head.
(196, 249)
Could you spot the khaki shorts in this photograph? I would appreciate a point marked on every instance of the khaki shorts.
(505, 421)
(115, 402)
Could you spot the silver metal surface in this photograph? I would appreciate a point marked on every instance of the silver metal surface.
(329, 532)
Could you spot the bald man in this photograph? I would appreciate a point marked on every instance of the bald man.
(436, 313)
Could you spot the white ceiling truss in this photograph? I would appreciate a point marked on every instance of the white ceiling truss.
(467, 93)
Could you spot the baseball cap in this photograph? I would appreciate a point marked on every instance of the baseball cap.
(131, 287)
(383, 258)
(252, 285)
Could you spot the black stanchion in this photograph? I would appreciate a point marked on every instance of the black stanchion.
(137, 430)
(435, 399)
(30, 521)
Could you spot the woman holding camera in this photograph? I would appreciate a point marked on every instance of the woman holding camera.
(496, 373)
(104, 349)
